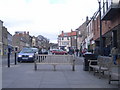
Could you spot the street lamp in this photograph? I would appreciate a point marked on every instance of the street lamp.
(77, 38)
(101, 41)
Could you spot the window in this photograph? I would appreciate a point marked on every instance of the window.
(65, 43)
(65, 34)
(67, 38)
(75, 37)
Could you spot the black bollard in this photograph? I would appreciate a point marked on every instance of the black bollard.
(15, 58)
(16, 49)
(8, 57)
(73, 68)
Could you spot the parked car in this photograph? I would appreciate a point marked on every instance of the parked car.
(86, 53)
(27, 54)
(44, 51)
(59, 52)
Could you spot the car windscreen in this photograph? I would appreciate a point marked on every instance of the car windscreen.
(60, 50)
(34, 50)
(27, 51)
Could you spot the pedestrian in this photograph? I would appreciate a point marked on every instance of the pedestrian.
(71, 51)
(97, 51)
(77, 52)
(106, 51)
(114, 52)
(80, 51)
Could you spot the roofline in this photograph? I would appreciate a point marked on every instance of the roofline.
(1, 21)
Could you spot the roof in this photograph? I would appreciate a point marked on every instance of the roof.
(68, 34)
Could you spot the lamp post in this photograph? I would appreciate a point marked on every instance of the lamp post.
(101, 41)
(76, 39)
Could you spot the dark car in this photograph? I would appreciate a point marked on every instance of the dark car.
(43, 51)
(27, 54)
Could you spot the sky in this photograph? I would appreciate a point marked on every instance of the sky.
(45, 17)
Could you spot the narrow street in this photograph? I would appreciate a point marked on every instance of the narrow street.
(41, 41)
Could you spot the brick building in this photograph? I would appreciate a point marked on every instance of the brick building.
(22, 39)
(110, 24)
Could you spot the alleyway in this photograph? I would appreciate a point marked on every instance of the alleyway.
(23, 75)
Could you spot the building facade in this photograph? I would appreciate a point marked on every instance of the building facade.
(67, 40)
(53, 46)
(110, 25)
(112, 13)
(90, 42)
(5, 40)
(1, 43)
(43, 42)
(82, 33)
(22, 39)
(34, 41)
(10, 41)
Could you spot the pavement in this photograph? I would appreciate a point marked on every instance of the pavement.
(5, 59)
(23, 75)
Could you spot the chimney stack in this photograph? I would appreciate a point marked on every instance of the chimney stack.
(62, 32)
(86, 18)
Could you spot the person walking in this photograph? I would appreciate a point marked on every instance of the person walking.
(106, 51)
(71, 51)
(114, 52)
(77, 52)
(97, 51)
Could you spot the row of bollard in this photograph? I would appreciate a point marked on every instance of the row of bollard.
(9, 57)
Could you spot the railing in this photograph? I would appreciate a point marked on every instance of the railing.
(106, 5)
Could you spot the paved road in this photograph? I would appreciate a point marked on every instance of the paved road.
(23, 75)
(5, 59)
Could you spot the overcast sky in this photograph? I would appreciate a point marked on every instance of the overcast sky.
(45, 17)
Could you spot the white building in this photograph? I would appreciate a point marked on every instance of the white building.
(67, 40)
(89, 40)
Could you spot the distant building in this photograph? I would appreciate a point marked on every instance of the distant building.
(22, 39)
(10, 41)
(67, 40)
(81, 35)
(43, 42)
(34, 41)
(1, 43)
(5, 40)
(90, 42)
(53, 46)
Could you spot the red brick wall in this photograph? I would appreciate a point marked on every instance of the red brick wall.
(106, 25)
